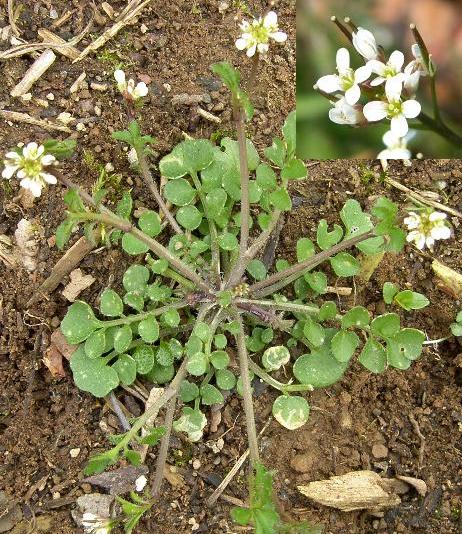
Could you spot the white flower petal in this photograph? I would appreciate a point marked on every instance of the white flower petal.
(270, 20)
(241, 44)
(377, 66)
(429, 241)
(343, 60)
(411, 109)
(29, 151)
(365, 44)
(329, 83)
(362, 74)
(393, 88)
(396, 60)
(441, 232)
(411, 81)
(40, 151)
(13, 155)
(140, 90)
(251, 51)
(375, 110)
(377, 81)
(279, 37)
(399, 125)
(21, 173)
(263, 48)
(9, 171)
(437, 216)
(48, 159)
(49, 178)
(119, 76)
(352, 95)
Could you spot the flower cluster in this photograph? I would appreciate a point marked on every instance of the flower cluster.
(388, 90)
(30, 166)
(128, 89)
(257, 34)
(426, 228)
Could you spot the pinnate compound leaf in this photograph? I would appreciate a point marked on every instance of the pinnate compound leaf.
(291, 412)
(79, 322)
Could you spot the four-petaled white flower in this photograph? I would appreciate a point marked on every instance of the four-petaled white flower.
(414, 70)
(396, 148)
(427, 228)
(343, 113)
(394, 109)
(346, 80)
(140, 483)
(365, 44)
(94, 524)
(29, 166)
(387, 71)
(257, 33)
(128, 89)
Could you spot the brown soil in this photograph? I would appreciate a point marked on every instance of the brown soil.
(41, 419)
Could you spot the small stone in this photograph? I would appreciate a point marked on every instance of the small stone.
(53, 14)
(50, 96)
(302, 463)
(56, 495)
(97, 111)
(143, 28)
(99, 86)
(196, 464)
(81, 127)
(74, 452)
(379, 450)
(86, 487)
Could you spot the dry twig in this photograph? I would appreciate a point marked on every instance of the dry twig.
(24, 117)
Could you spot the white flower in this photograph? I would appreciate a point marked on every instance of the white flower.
(387, 71)
(395, 109)
(346, 80)
(140, 483)
(256, 34)
(414, 70)
(365, 44)
(94, 524)
(343, 113)
(396, 148)
(128, 89)
(427, 228)
(29, 167)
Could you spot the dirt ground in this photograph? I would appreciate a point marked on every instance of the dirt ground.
(42, 419)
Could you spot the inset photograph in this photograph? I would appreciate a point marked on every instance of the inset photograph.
(379, 79)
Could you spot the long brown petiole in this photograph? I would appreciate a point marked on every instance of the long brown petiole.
(292, 273)
(149, 181)
(110, 218)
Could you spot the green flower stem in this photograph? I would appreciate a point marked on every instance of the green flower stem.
(436, 107)
(216, 321)
(253, 250)
(140, 316)
(213, 230)
(441, 129)
(149, 181)
(246, 391)
(283, 278)
(106, 216)
(284, 388)
(244, 171)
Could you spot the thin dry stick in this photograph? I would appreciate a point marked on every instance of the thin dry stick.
(63, 267)
(417, 196)
(11, 19)
(416, 426)
(225, 482)
(24, 117)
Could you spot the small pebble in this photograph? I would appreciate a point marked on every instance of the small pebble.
(50, 96)
(81, 127)
(196, 464)
(74, 452)
(379, 450)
